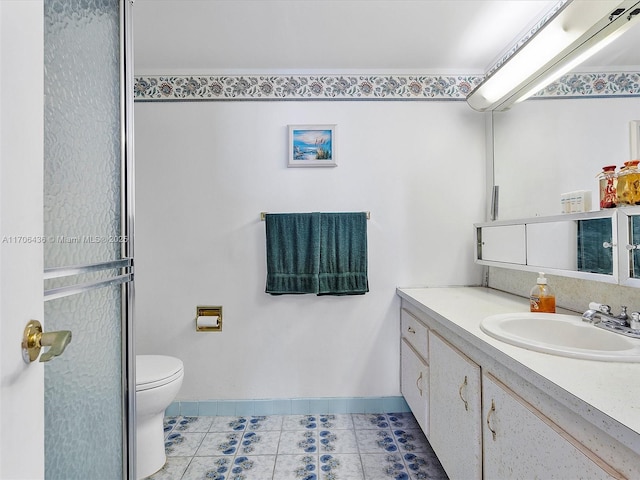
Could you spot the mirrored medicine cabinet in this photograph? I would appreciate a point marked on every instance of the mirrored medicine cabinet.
(602, 245)
(542, 148)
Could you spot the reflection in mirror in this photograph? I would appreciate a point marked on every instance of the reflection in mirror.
(595, 251)
(549, 145)
(634, 246)
(544, 148)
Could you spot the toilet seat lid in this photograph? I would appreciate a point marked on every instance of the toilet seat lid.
(156, 370)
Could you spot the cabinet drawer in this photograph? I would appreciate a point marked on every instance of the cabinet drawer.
(415, 332)
(414, 384)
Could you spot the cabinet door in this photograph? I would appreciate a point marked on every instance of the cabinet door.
(414, 384)
(454, 410)
(520, 442)
(502, 243)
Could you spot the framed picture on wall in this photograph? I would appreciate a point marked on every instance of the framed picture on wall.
(634, 135)
(312, 146)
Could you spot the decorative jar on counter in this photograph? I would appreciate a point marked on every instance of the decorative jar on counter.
(608, 187)
(628, 188)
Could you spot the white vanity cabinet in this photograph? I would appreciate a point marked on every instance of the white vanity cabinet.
(414, 377)
(487, 415)
(455, 410)
(521, 442)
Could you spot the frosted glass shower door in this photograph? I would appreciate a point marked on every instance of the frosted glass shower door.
(87, 224)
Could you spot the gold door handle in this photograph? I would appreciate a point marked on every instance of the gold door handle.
(34, 339)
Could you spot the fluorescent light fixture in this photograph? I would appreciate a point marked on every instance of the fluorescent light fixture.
(575, 32)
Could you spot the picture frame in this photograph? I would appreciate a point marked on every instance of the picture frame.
(312, 146)
(634, 139)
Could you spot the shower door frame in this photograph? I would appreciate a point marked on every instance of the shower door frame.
(128, 221)
(124, 265)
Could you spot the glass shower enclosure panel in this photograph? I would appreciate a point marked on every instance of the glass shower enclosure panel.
(87, 253)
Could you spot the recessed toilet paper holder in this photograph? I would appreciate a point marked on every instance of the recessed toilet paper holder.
(208, 319)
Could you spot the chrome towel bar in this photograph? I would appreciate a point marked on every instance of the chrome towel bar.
(263, 216)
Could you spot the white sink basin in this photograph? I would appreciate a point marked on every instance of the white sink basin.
(564, 335)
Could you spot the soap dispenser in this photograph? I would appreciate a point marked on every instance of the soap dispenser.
(541, 298)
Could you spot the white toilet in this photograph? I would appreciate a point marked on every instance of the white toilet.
(158, 380)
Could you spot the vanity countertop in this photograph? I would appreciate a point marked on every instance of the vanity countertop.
(612, 388)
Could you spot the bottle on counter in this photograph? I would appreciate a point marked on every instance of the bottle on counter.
(608, 184)
(628, 188)
(541, 298)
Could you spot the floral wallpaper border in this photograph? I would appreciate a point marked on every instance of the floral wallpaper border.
(577, 85)
(363, 87)
(305, 87)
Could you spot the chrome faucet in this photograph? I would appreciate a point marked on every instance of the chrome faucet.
(601, 316)
(602, 313)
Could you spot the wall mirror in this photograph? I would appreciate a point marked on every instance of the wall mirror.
(543, 148)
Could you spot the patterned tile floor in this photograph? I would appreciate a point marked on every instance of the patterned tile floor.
(298, 447)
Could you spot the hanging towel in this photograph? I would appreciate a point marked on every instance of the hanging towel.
(343, 254)
(293, 252)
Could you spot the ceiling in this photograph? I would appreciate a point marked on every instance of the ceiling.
(334, 36)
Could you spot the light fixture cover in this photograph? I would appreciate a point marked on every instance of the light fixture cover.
(575, 32)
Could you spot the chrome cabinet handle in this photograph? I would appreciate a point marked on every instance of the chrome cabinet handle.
(418, 383)
(633, 247)
(411, 330)
(491, 410)
(608, 245)
(463, 386)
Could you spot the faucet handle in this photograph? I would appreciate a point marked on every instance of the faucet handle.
(634, 323)
(600, 307)
(623, 313)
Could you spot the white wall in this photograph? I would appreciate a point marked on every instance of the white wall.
(205, 171)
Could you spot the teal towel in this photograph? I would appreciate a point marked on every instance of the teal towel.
(322, 253)
(293, 252)
(343, 254)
